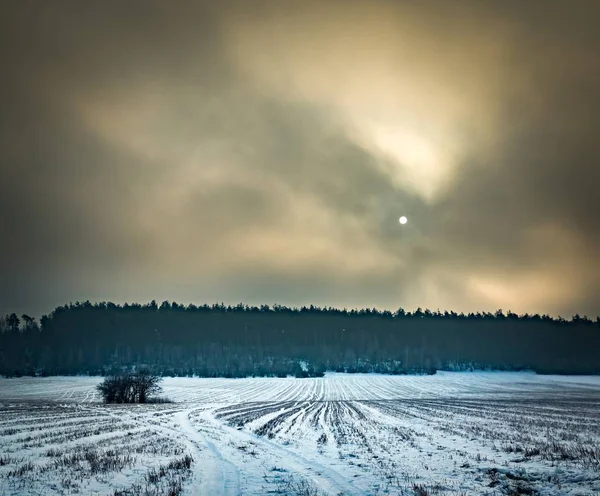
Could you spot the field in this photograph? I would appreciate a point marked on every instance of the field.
(451, 433)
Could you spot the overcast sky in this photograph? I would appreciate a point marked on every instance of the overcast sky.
(263, 151)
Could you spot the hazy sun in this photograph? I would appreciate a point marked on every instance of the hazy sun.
(403, 220)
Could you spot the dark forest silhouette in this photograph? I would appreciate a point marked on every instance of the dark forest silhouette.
(241, 340)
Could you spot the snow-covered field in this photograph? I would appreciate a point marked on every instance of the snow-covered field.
(451, 433)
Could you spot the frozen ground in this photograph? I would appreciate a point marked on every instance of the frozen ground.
(451, 433)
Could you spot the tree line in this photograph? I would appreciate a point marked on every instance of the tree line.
(238, 341)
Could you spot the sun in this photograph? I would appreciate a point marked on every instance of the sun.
(403, 220)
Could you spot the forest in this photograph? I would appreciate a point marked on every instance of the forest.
(238, 341)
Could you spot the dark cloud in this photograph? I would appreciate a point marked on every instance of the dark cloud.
(205, 152)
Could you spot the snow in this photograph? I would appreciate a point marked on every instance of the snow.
(355, 434)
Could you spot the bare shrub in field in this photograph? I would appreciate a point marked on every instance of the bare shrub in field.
(135, 387)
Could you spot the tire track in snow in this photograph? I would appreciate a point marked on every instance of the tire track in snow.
(211, 474)
(324, 477)
(214, 474)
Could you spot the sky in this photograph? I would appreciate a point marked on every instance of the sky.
(263, 151)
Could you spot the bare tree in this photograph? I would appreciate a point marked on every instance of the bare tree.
(134, 387)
